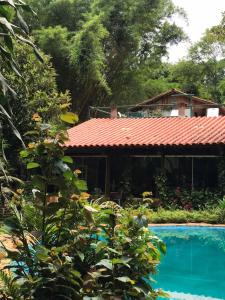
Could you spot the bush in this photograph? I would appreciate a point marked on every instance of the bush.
(182, 216)
(69, 248)
(182, 198)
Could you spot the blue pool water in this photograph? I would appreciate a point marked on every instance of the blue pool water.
(194, 266)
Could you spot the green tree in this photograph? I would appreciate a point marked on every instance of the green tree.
(203, 72)
(208, 55)
(109, 44)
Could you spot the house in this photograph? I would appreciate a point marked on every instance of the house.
(174, 103)
(126, 153)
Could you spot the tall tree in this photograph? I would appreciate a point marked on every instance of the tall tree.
(203, 72)
(98, 46)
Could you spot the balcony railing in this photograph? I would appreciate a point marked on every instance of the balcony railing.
(156, 111)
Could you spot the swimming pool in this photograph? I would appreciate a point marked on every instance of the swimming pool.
(194, 266)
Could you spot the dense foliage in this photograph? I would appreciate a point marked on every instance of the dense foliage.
(35, 93)
(63, 247)
(13, 30)
(202, 71)
(212, 215)
(59, 243)
(105, 51)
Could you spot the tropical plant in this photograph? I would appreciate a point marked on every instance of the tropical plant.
(62, 247)
(35, 93)
(162, 188)
(13, 29)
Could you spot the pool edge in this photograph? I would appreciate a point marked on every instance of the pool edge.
(187, 224)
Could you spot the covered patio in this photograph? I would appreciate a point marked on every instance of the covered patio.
(124, 155)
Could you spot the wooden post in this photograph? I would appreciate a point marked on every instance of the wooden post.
(107, 176)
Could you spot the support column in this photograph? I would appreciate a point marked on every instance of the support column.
(107, 176)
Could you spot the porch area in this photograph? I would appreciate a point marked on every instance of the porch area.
(121, 176)
(122, 158)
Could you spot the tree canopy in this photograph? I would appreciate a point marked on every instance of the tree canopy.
(203, 71)
(104, 51)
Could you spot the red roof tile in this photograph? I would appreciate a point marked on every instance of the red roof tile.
(148, 132)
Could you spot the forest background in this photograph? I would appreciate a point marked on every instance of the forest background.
(98, 52)
(114, 51)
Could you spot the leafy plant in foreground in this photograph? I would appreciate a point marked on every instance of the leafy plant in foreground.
(62, 247)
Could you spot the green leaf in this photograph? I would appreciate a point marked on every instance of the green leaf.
(8, 2)
(39, 182)
(41, 253)
(32, 165)
(162, 247)
(106, 263)
(5, 24)
(69, 117)
(118, 261)
(90, 209)
(25, 7)
(163, 294)
(22, 22)
(125, 279)
(67, 159)
(28, 42)
(113, 251)
(24, 153)
(100, 245)
(81, 185)
(45, 126)
(6, 12)
(31, 132)
(9, 120)
(68, 175)
(81, 255)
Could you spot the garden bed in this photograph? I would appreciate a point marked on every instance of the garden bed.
(164, 216)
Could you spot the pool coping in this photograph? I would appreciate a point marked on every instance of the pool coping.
(187, 224)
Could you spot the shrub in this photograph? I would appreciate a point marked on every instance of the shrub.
(183, 216)
(69, 248)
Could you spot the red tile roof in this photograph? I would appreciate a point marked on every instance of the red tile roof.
(127, 132)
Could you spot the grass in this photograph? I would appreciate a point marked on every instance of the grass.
(212, 216)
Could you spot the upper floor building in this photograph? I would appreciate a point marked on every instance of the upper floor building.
(175, 103)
